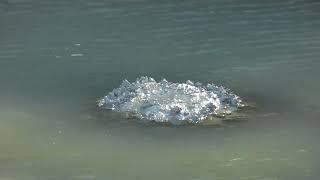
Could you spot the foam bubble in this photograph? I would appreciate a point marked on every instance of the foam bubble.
(165, 101)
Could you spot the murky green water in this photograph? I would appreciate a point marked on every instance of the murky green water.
(58, 57)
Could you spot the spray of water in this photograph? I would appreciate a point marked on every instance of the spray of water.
(165, 101)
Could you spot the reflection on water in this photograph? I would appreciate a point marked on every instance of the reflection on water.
(58, 57)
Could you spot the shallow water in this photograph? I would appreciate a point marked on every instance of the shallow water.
(58, 57)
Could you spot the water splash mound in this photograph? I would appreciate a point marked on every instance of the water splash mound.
(171, 102)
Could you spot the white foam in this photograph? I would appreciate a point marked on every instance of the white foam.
(76, 55)
(171, 102)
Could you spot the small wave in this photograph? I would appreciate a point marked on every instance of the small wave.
(171, 102)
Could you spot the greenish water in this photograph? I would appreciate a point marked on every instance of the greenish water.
(58, 57)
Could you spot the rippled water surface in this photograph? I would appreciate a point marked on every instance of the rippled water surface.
(58, 57)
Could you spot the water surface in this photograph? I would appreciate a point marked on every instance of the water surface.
(58, 57)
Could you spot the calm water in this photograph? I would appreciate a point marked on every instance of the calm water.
(58, 57)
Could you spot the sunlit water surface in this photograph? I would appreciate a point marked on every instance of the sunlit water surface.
(57, 58)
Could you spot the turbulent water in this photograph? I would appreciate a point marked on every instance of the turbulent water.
(171, 102)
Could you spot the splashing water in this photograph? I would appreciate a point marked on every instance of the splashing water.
(171, 102)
